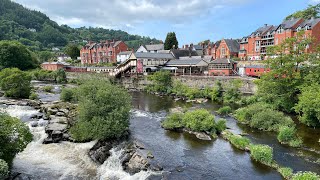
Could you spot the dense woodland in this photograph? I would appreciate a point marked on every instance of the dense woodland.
(36, 30)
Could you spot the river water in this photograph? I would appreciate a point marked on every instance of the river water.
(180, 154)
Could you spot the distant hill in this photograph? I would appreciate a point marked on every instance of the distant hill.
(37, 31)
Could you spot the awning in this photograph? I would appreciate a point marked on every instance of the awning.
(169, 68)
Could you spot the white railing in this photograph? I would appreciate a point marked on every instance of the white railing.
(123, 67)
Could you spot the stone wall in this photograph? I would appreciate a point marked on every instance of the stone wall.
(192, 81)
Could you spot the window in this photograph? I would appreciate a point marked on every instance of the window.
(223, 52)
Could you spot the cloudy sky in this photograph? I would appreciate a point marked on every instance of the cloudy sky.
(192, 20)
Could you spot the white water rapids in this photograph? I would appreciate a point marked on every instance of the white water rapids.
(65, 160)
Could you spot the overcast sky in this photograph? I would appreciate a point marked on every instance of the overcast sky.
(192, 20)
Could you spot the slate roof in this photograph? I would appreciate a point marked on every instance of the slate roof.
(125, 52)
(310, 22)
(221, 61)
(217, 44)
(184, 62)
(198, 47)
(233, 45)
(183, 53)
(147, 55)
(288, 24)
(116, 43)
(263, 29)
(153, 47)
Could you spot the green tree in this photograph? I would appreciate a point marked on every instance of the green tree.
(104, 111)
(171, 41)
(73, 51)
(45, 56)
(309, 12)
(14, 137)
(161, 82)
(13, 54)
(4, 169)
(15, 83)
(199, 120)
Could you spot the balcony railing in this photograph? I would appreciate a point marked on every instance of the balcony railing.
(268, 37)
(267, 44)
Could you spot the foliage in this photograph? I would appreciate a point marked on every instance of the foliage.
(45, 56)
(67, 95)
(309, 105)
(104, 111)
(199, 120)
(220, 126)
(232, 93)
(73, 51)
(161, 82)
(309, 12)
(173, 121)
(4, 169)
(15, 55)
(286, 134)
(248, 100)
(33, 96)
(60, 76)
(14, 137)
(286, 172)
(171, 41)
(305, 176)
(262, 153)
(15, 83)
(216, 94)
(238, 141)
(245, 114)
(47, 89)
(225, 110)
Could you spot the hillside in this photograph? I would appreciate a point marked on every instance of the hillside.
(37, 31)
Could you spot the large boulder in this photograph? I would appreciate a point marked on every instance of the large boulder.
(137, 163)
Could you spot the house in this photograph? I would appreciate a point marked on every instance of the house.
(123, 56)
(228, 48)
(52, 66)
(63, 57)
(178, 53)
(103, 52)
(187, 66)
(151, 48)
(222, 67)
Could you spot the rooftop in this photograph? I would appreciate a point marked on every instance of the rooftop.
(147, 55)
(154, 47)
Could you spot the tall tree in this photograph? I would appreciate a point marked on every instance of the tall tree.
(171, 41)
(73, 51)
(309, 12)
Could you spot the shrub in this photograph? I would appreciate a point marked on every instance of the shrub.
(173, 121)
(67, 95)
(33, 96)
(245, 114)
(4, 169)
(60, 76)
(221, 125)
(286, 134)
(14, 137)
(262, 153)
(47, 89)
(15, 83)
(161, 82)
(297, 142)
(305, 176)
(225, 110)
(239, 141)
(199, 120)
(285, 172)
(232, 93)
(104, 111)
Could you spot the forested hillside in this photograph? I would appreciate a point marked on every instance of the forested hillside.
(37, 31)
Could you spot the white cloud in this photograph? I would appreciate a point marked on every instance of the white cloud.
(121, 13)
(314, 1)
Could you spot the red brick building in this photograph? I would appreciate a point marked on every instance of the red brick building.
(227, 48)
(222, 67)
(103, 52)
(52, 66)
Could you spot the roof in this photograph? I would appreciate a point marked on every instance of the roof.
(125, 53)
(310, 22)
(187, 62)
(116, 43)
(198, 47)
(154, 47)
(222, 61)
(147, 55)
(183, 53)
(164, 51)
(263, 29)
(288, 24)
(217, 44)
(57, 63)
(233, 45)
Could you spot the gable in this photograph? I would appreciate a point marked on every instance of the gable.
(142, 49)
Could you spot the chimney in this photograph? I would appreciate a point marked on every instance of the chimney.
(186, 46)
(107, 41)
(265, 25)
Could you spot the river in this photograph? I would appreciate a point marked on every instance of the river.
(180, 154)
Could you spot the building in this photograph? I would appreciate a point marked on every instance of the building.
(255, 70)
(52, 66)
(228, 48)
(222, 67)
(187, 66)
(151, 48)
(103, 52)
(178, 53)
(123, 56)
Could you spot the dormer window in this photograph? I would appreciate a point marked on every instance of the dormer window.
(299, 28)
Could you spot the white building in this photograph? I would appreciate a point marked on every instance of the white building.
(151, 48)
(123, 56)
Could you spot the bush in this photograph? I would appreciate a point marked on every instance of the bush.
(221, 125)
(15, 83)
(161, 82)
(245, 114)
(60, 76)
(47, 89)
(232, 93)
(4, 169)
(104, 111)
(173, 121)
(262, 154)
(14, 137)
(67, 95)
(270, 120)
(297, 142)
(239, 141)
(225, 110)
(199, 120)
(286, 172)
(286, 134)
(305, 176)
(33, 96)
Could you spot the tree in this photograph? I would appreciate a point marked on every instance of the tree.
(309, 12)
(104, 111)
(161, 82)
(45, 56)
(15, 83)
(14, 137)
(14, 54)
(171, 41)
(73, 51)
